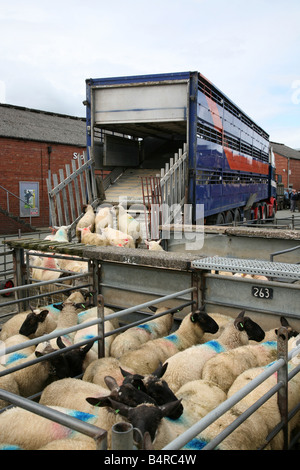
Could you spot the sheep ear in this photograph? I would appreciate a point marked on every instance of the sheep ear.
(42, 315)
(159, 372)
(146, 242)
(60, 343)
(169, 408)
(152, 308)
(111, 382)
(120, 407)
(239, 321)
(124, 372)
(284, 321)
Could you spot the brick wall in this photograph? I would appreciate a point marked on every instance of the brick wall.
(29, 161)
(289, 170)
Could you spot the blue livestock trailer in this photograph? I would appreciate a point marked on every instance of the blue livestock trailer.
(138, 122)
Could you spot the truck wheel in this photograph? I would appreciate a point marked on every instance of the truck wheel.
(228, 217)
(237, 216)
(220, 219)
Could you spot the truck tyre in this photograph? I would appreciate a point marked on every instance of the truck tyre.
(228, 217)
(237, 216)
(220, 219)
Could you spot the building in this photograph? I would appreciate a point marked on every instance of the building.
(287, 162)
(33, 143)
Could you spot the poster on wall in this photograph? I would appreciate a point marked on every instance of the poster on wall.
(29, 199)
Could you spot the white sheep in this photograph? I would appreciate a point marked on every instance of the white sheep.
(115, 237)
(148, 356)
(154, 245)
(30, 431)
(102, 367)
(90, 238)
(104, 218)
(61, 234)
(269, 411)
(29, 380)
(91, 332)
(67, 318)
(135, 336)
(12, 358)
(87, 220)
(128, 224)
(249, 435)
(224, 368)
(222, 320)
(187, 365)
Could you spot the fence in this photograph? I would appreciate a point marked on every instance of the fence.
(67, 197)
(164, 196)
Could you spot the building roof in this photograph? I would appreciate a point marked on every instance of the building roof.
(285, 151)
(17, 122)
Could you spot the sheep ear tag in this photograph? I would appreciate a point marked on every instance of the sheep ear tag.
(240, 326)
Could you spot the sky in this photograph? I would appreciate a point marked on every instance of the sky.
(249, 49)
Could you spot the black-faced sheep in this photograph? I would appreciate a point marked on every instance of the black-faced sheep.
(148, 356)
(187, 365)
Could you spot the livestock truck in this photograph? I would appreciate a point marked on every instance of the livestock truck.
(135, 124)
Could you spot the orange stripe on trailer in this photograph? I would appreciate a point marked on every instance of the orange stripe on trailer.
(238, 162)
(215, 114)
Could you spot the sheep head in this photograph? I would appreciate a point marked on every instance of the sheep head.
(252, 329)
(206, 323)
(31, 322)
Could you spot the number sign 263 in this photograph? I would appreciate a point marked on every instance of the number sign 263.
(262, 292)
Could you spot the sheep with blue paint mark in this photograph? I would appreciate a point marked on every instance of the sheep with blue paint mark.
(197, 399)
(224, 368)
(148, 356)
(134, 337)
(187, 365)
(30, 431)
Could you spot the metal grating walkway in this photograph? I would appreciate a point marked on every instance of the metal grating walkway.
(249, 266)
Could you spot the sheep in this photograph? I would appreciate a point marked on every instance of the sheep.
(92, 331)
(250, 434)
(154, 385)
(104, 218)
(87, 220)
(154, 245)
(61, 234)
(187, 365)
(68, 317)
(133, 337)
(127, 224)
(30, 431)
(225, 367)
(37, 323)
(196, 399)
(269, 411)
(90, 238)
(41, 322)
(221, 320)
(98, 369)
(117, 238)
(271, 335)
(45, 274)
(73, 265)
(12, 358)
(147, 357)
